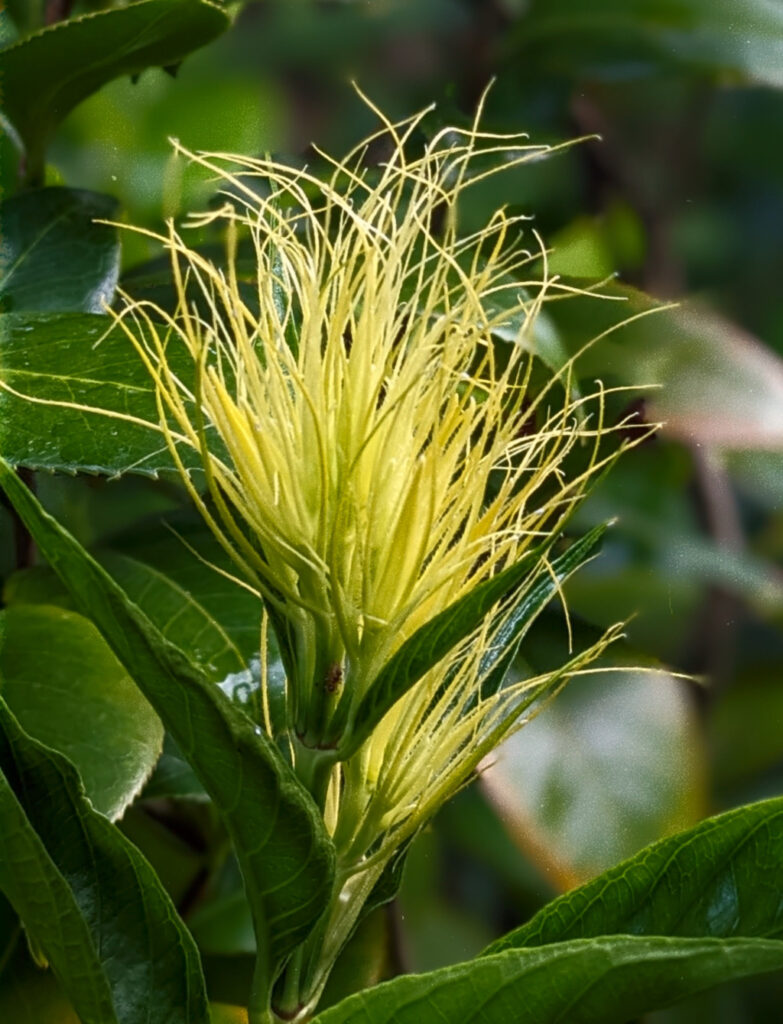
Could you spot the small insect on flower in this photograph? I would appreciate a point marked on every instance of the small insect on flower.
(361, 397)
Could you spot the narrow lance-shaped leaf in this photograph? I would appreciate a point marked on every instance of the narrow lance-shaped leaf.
(436, 638)
(723, 878)
(87, 896)
(588, 981)
(499, 657)
(286, 855)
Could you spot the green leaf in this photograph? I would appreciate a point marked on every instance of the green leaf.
(88, 898)
(190, 601)
(47, 74)
(497, 659)
(611, 38)
(83, 360)
(180, 616)
(182, 554)
(616, 762)
(42, 897)
(68, 690)
(721, 879)
(286, 856)
(53, 255)
(593, 981)
(441, 634)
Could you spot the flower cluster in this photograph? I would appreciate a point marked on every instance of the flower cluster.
(371, 451)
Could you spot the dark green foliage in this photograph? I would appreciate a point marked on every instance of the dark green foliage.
(285, 853)
(54, 255)
(110, 932)
(78, 359)
(683, 195)
(721, 879)
(48, 73)
(607, 980)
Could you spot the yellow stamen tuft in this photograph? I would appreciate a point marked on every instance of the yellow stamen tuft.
(371, 454)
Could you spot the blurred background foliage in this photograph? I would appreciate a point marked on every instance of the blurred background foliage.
(677, 187)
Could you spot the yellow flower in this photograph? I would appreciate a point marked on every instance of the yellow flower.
(371, 452)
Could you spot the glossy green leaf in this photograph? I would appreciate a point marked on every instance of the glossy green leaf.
(286, 855)
(67, 360)
(611, 38)
(68, 690)
(436, 638)
(174, 577)
(48, 73)
(182, 554)
(613, 764)
(593, 981)
(41, 896)
(88, 898)
(721, 879)
(53, 255)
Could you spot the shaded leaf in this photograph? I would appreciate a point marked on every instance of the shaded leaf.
(192, 604)
(745, 738)
(224, 617)
(53, 256)
(223, 1014)
(68, 690)
(173, 776)
(286, 856)
(625, 38)
(47, 74)
(363, 962)
(88, 898)
(588, 981)
(721, 879)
